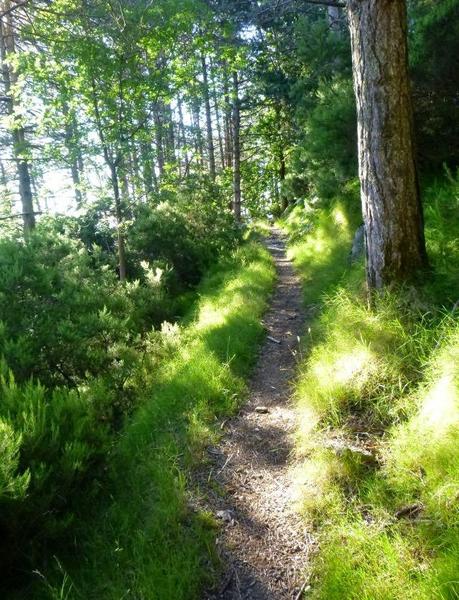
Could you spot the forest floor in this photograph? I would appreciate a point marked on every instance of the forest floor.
(263, 543)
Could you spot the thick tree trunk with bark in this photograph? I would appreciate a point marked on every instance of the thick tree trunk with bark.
(392, 211)
(236, 149)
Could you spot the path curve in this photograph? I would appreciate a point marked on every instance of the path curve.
(263, 543)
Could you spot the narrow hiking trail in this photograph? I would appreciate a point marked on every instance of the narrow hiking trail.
(263, 543)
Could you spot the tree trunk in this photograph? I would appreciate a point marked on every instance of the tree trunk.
(170, 134)
(147, 168)
(333, 17)
(119, 222)
(182, 137)
(236, 149)
(392, 211)
(159, 138)
(199, 145)
(210, 137)
(7, 48)
(217, 116)
(282, 174)
(70, 143)
(228, 120)
(75, 158)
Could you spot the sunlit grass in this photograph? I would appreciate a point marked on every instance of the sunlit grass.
(320, 243)
(383, 379)
(148, 539)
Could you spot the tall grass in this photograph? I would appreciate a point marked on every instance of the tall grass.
(147, 539)
(379, 402)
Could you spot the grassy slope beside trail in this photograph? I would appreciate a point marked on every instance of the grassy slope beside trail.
(148, 542)
(379, 403)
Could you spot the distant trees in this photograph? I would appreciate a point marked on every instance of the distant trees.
(253, 98)
(19, 143)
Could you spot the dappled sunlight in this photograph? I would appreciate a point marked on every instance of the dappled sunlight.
(440, 409)
(315, 485)
(331, 371)
(211, 316)
(340, 218)
(308, 419)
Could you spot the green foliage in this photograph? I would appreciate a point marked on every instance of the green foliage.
(320, 241)
(184, 234)
(54, 445)
(330, 124)
(64, 315)
(441, 207)
(378, 396)
(146, 538)
(434, 40)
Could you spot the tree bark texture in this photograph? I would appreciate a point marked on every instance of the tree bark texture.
(227, 119)
(392, 211)
(217, 117)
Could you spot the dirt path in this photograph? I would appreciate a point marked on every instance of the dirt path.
(263, 543)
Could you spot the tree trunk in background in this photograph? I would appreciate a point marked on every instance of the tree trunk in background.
(76, 182)
(282, 174)
(74, 153)
(210, 137)
(159, 141)
(147, 168)
(119, 222)
(392, 211)
(7, 47)
(134, 169)
(168, 119)
(228, 120)
(218, 117)
(236, 149)
(182, 136)
(199, 144)
(333, 16)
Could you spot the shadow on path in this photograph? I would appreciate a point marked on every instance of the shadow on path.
(263, 542)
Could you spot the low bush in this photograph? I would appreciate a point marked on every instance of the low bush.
(148, 536)
(64, 316)
(182, 238)
(54, 446)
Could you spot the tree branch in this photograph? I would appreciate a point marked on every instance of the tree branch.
(334, 3)
(12, 8)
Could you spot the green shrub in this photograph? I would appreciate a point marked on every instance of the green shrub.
(331, 124)
(54, 445)
(64, 316)
(182, 237)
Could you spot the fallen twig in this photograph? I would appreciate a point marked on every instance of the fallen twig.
(304, 587)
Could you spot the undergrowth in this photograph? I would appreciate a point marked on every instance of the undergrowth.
(379, 401)
(144, 539)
